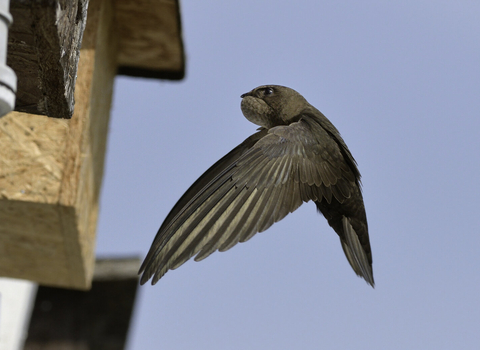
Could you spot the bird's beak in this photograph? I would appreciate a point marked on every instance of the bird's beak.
(245, 94)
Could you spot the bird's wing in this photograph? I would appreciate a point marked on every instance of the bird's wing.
(257, 184)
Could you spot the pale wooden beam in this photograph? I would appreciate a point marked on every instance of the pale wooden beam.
(51, 171)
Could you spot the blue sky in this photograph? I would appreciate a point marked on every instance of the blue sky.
(401, 81)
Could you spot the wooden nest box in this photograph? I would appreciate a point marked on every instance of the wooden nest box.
(52, 146)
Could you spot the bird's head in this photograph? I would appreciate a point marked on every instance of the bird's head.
(272, 105)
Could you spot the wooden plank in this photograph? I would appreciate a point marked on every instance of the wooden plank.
(97, 319)
(150, 39)
(43, 49)
(51, 172)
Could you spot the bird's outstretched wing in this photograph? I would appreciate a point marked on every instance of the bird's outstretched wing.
(255, 185)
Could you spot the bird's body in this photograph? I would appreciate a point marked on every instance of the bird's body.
(296, 156)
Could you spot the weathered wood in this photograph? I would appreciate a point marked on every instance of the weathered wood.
(46, 35)
(51, 171)
(150, 39)
(98, 319)
(43, 49)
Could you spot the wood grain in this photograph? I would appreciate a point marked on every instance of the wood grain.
(43, 49)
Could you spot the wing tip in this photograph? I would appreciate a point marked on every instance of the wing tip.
(146, 272)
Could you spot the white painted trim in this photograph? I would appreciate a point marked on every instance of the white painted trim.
(16, 303)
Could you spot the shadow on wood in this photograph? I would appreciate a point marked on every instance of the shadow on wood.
(97, 319)
(43, 49)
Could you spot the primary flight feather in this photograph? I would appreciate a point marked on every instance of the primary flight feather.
(296, 156)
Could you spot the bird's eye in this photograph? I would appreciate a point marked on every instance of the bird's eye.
(268, 91)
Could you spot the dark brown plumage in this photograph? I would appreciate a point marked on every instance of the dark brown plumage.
(296, 156)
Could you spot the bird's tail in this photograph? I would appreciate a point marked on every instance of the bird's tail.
(355, 253)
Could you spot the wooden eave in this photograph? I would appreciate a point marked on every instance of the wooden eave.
(51, 169)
